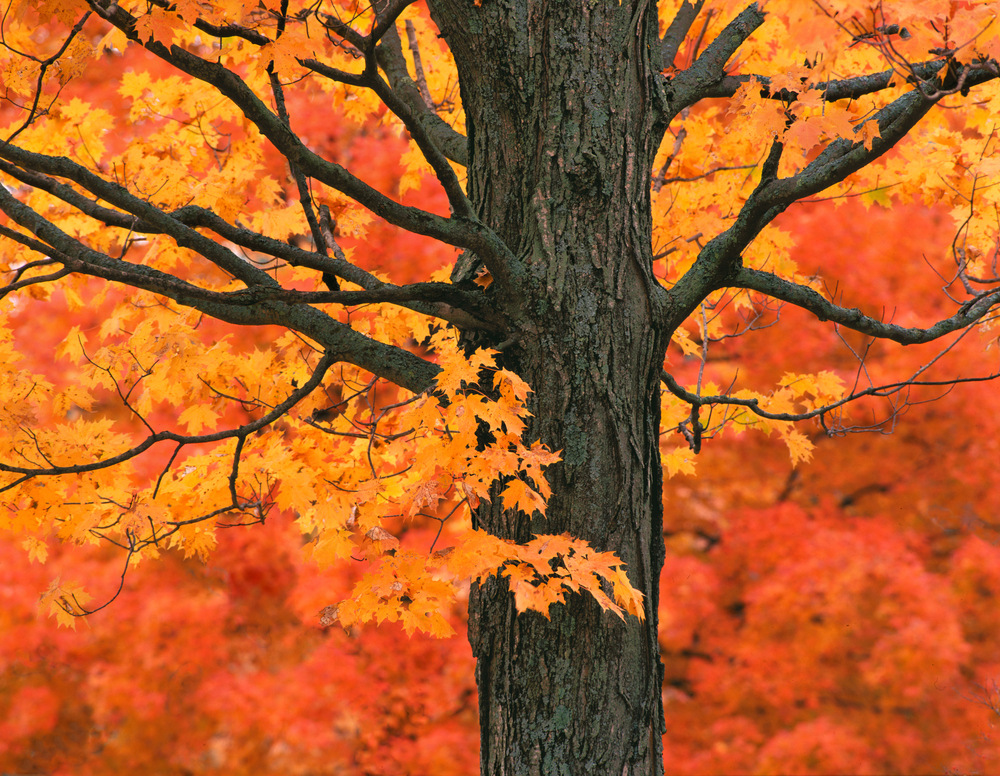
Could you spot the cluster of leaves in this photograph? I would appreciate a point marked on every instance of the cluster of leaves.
(180, 422)
(373, 460)
(713, 161)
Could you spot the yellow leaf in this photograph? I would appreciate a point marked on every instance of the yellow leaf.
(799, 446)
(478, 555)
(333, 544)
(378, 541)
(159, 25)
(530, 592)
(683, 340)
(269, 192)
(870, 131)
(72, 346)
(198, 417)
(517, 495)
(680, 460)
(626, 595)
(64, 602)
(37, 549)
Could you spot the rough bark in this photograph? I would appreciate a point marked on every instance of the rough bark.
(559, 103)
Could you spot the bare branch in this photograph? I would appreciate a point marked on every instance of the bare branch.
(43, 67)
(678, 30)
(389, 53)
(301, 184)
(689, 86)
(444, 300)
(854, 319)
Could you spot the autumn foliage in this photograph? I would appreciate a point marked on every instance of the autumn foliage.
(828, 599)
(827, 618)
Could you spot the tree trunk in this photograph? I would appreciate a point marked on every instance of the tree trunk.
(559, 102)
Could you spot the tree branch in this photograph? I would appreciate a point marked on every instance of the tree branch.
(678, 30)
(389, 53)
(444, 298)
(833, 90)
(461, 233)
(854, 319)
(386, 21)
(418, 65)
(393, 363)
(690, 85)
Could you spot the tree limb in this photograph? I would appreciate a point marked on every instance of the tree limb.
(690, 85)
(386, 21)
(461, 233)
(678, 30)
(854, 319)
(393, 363)
(454, 145)
(833, 90)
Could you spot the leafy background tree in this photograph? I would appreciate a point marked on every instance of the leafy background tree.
(814, 619)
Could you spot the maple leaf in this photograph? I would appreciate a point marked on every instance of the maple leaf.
(423, 494)
(532, 593)
(483, 279)
(519, 495)
(378, 541)
(197, 417)
(683, 340)
(799, 446)
(333, 544)
(869, 132)
(37, 549)
(64, 601)
(416, 169)
(680, 460)
(72, 347)
(158, 25)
